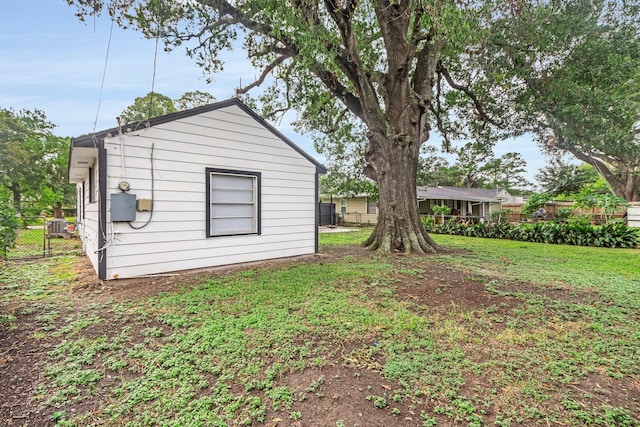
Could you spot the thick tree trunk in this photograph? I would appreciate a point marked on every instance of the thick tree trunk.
(399, 228)
(625, 186)
(15, 190)
(631, 190)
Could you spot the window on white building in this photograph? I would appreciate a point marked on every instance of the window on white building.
(233, 202)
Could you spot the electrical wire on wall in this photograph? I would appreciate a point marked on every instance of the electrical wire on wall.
(152, 194)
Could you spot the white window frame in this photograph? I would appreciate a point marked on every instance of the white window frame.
(212, 203)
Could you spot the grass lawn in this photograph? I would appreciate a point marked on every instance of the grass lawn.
(490, 333)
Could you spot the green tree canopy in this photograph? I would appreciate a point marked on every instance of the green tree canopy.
(33, 164)
(561, 178)
(336, 183)
(435, 170)
(475, 165)
(146, 107)
(193, 99)
(506, 171)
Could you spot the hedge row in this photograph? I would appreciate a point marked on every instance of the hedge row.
(613, 235)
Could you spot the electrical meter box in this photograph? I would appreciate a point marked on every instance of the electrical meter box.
(123, 207)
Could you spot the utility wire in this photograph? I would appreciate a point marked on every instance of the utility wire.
(155, 62)
(104, 74)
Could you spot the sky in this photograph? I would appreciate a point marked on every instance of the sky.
(53, 62)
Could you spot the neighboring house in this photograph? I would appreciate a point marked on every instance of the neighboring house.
(357, 209)
(464, 202)
(468, 202)
(209, 186)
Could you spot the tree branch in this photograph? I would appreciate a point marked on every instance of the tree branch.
(338, 90)
(349, 60)
(600, 166)
(279, 60)
(441, 69)
(437, 113)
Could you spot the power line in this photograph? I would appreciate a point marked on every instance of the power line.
(104, 74)
(155, 62)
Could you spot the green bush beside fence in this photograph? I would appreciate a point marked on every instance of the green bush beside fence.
(579, 233)
(8, 226)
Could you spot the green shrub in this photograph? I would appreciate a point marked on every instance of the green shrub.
(441, 210)
(500, 216)
(8, 226)
(535, 202)
(563, 214)
(579, 233)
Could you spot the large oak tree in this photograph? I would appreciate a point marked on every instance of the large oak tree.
(386, 67)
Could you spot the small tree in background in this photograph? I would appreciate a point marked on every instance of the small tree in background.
(442, 211)
(562, 178)
(193, 99)
(146, 107)
(33, 162)
(338, 183)
(608, 203)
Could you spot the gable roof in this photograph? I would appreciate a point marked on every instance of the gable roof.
(91, 140)
(462, 193)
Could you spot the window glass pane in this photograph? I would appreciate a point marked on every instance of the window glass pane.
(232, 182)
(227, 211)
(232, 226)
(231, 196)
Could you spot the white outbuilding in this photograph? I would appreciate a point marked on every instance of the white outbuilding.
(210, 186)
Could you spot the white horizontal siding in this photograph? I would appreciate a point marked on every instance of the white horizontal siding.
(175, 239)
(152, 266)
(287, 197)
(88, 227)
(231, 244)
(191, 232)
(89, 232)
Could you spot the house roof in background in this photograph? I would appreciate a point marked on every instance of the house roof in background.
(449, 193)
(463, 193)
